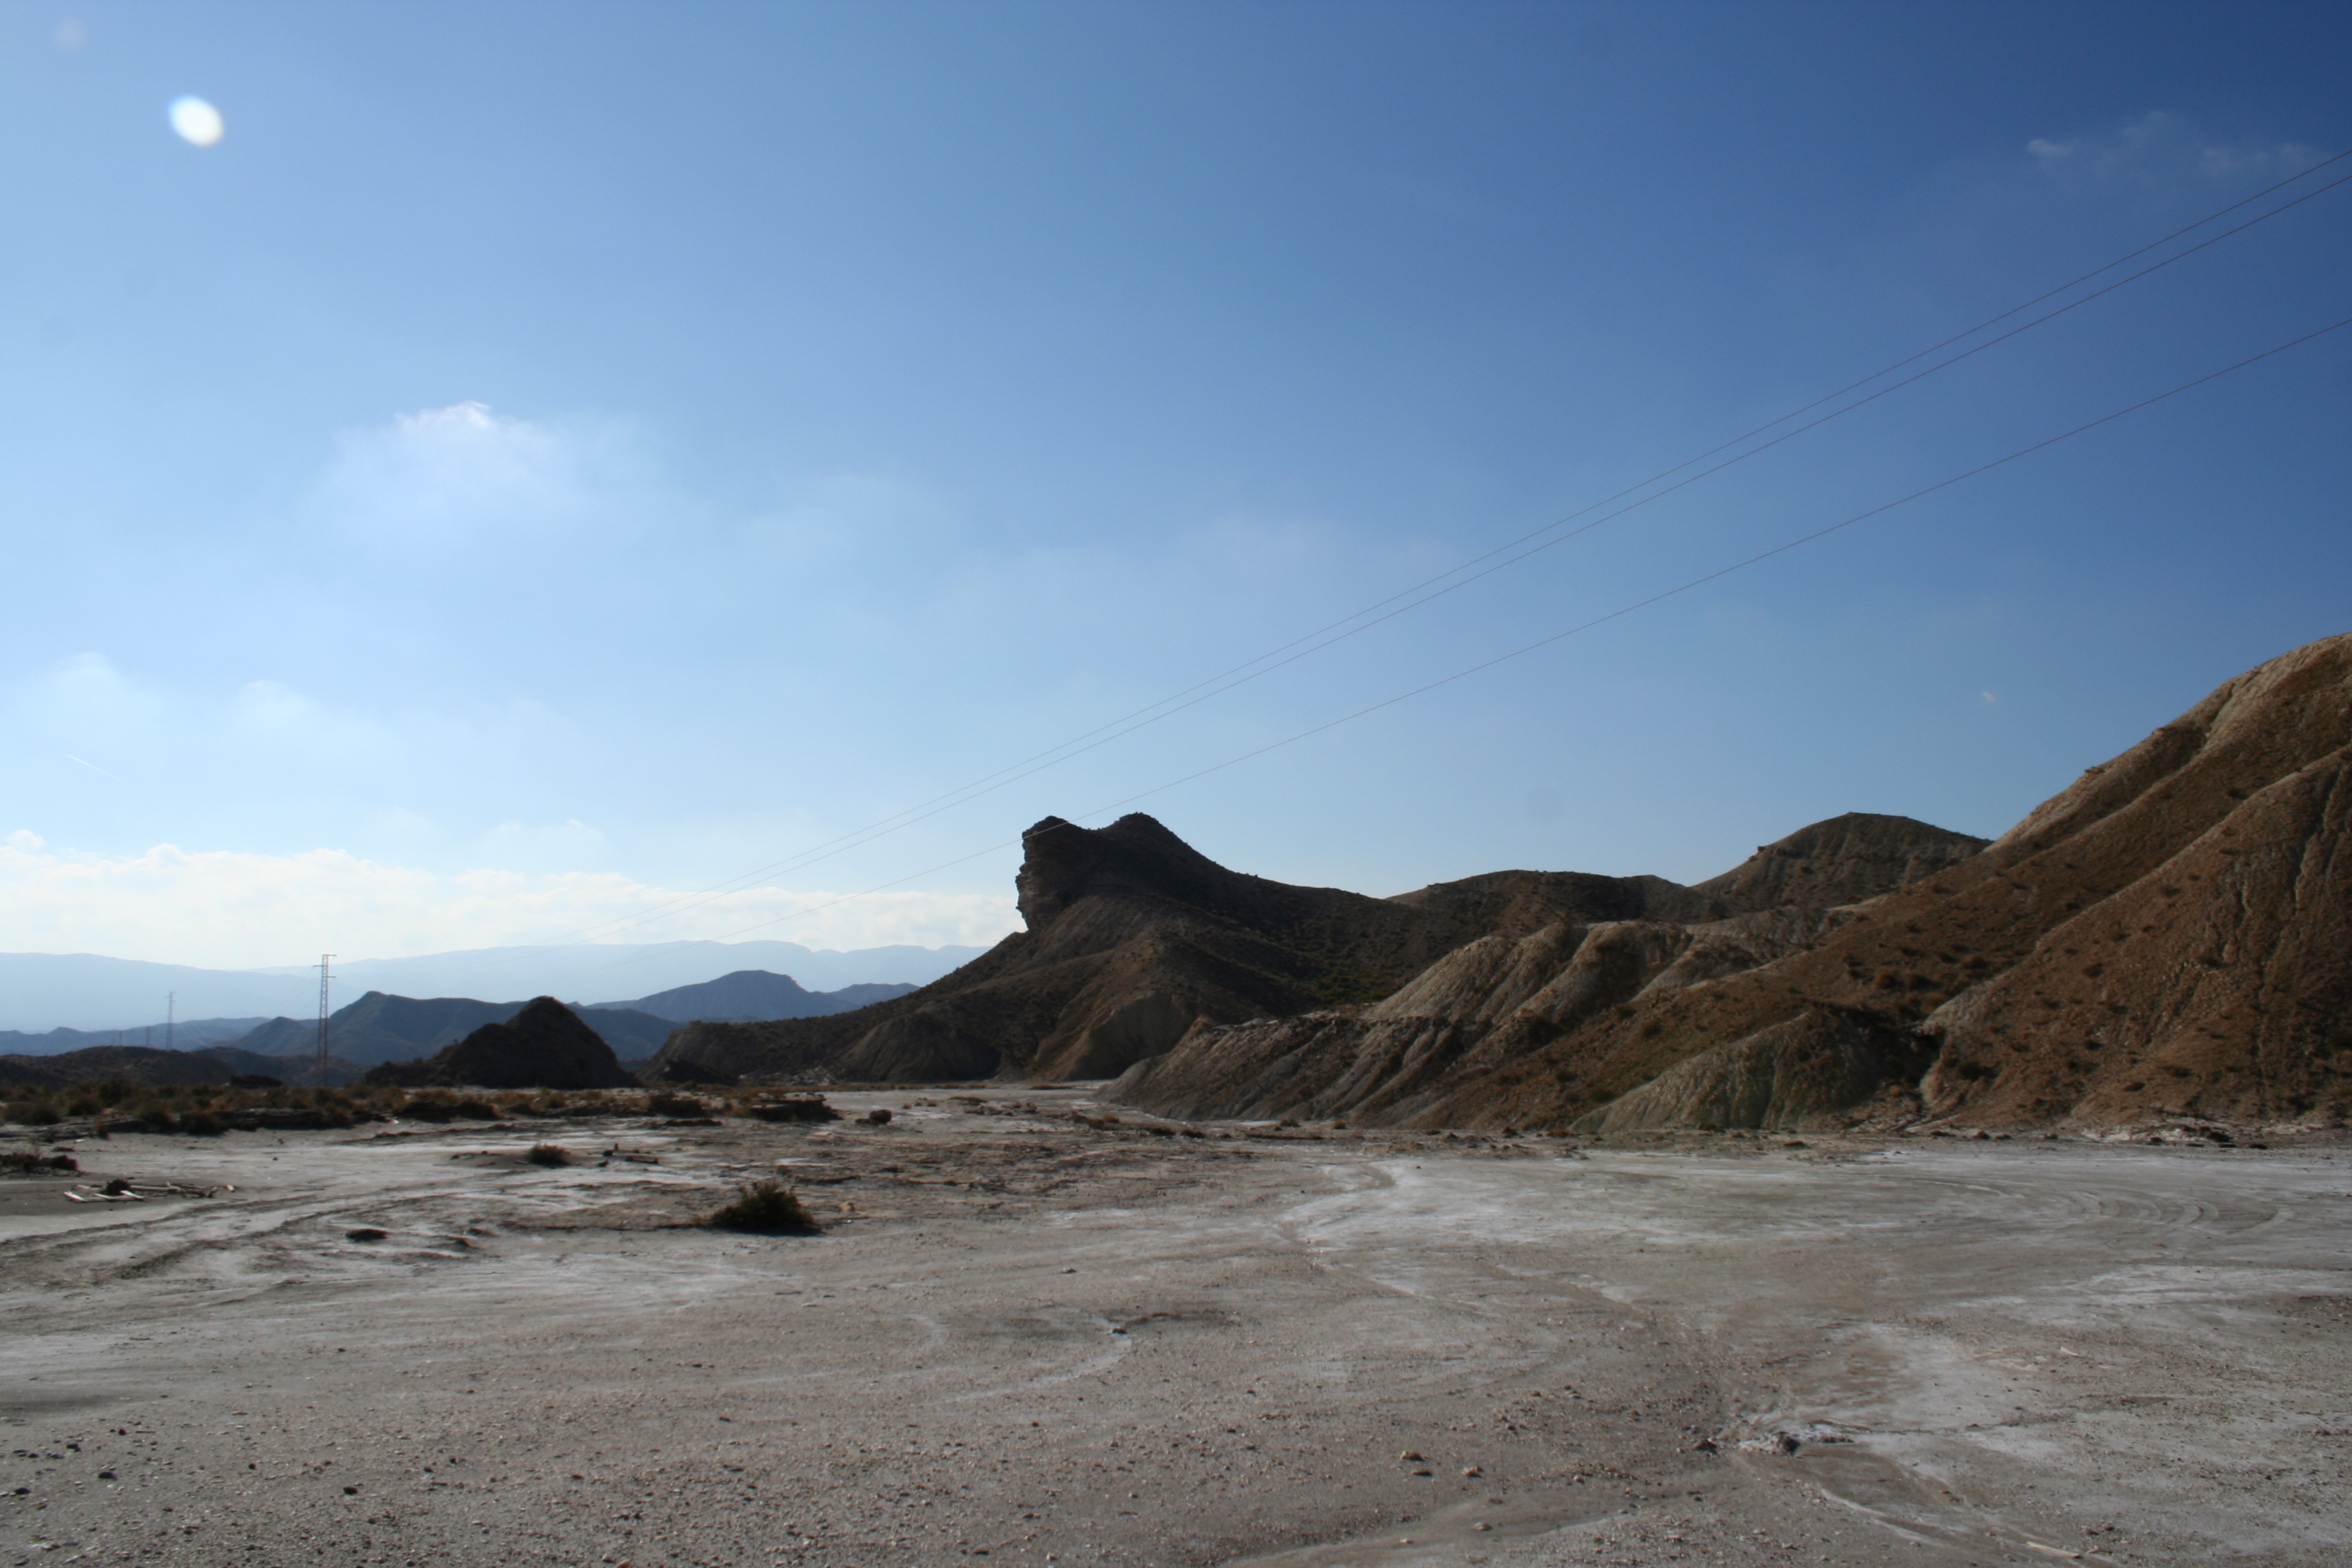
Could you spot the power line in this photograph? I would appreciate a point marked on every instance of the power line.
(1484, 664)
(1429, 589)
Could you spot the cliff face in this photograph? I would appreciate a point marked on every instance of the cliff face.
(1134, 938)
(2170, 936)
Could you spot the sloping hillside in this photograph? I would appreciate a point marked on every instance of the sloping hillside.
(2170, 936)
(1396, 1059)
(1133, 937)
(140, 1064)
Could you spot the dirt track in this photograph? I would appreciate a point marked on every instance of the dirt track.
(1034, 1341)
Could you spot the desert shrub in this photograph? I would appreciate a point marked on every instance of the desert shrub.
(810, 1107)
(32, 1162)
(447, 1107)
(879, 1116)
(768, 1208)
(32, 1113)
(201, 1124)
(549, 1154)
(662, 1104)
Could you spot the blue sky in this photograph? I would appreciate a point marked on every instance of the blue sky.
(547, 458)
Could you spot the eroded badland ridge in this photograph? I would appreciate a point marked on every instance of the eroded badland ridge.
(2167, 937)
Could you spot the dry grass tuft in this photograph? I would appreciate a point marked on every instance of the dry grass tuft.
(811, 1108)
(768, 1208)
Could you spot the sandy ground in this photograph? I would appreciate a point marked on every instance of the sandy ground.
(1033, 1341)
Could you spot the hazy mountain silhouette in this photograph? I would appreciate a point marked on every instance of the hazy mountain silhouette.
(753, 995)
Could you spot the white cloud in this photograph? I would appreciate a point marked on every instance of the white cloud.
(85, 696)
(2164, 149)
(465, 474)
(227, 910)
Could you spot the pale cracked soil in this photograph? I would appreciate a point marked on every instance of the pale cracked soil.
(1033, 1341)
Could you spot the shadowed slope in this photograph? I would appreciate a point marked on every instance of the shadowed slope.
(545, 1045)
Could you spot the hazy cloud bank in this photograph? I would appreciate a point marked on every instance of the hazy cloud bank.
(229, 909)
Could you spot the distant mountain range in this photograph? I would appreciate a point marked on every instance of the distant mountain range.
(98, 1000)
(748, 995)
(380, 1028)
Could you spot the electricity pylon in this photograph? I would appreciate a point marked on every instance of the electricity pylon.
(325, 967)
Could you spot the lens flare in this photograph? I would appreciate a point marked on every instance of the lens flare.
(196, 121)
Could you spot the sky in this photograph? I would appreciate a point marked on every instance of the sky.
(546, 470)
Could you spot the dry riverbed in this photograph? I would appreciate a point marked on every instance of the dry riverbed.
(1028, 1339)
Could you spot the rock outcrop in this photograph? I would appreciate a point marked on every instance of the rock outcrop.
(545, 1045)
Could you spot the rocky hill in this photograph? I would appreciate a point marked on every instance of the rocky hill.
(545, 1045)
(2171, 936)
(1133, 938)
